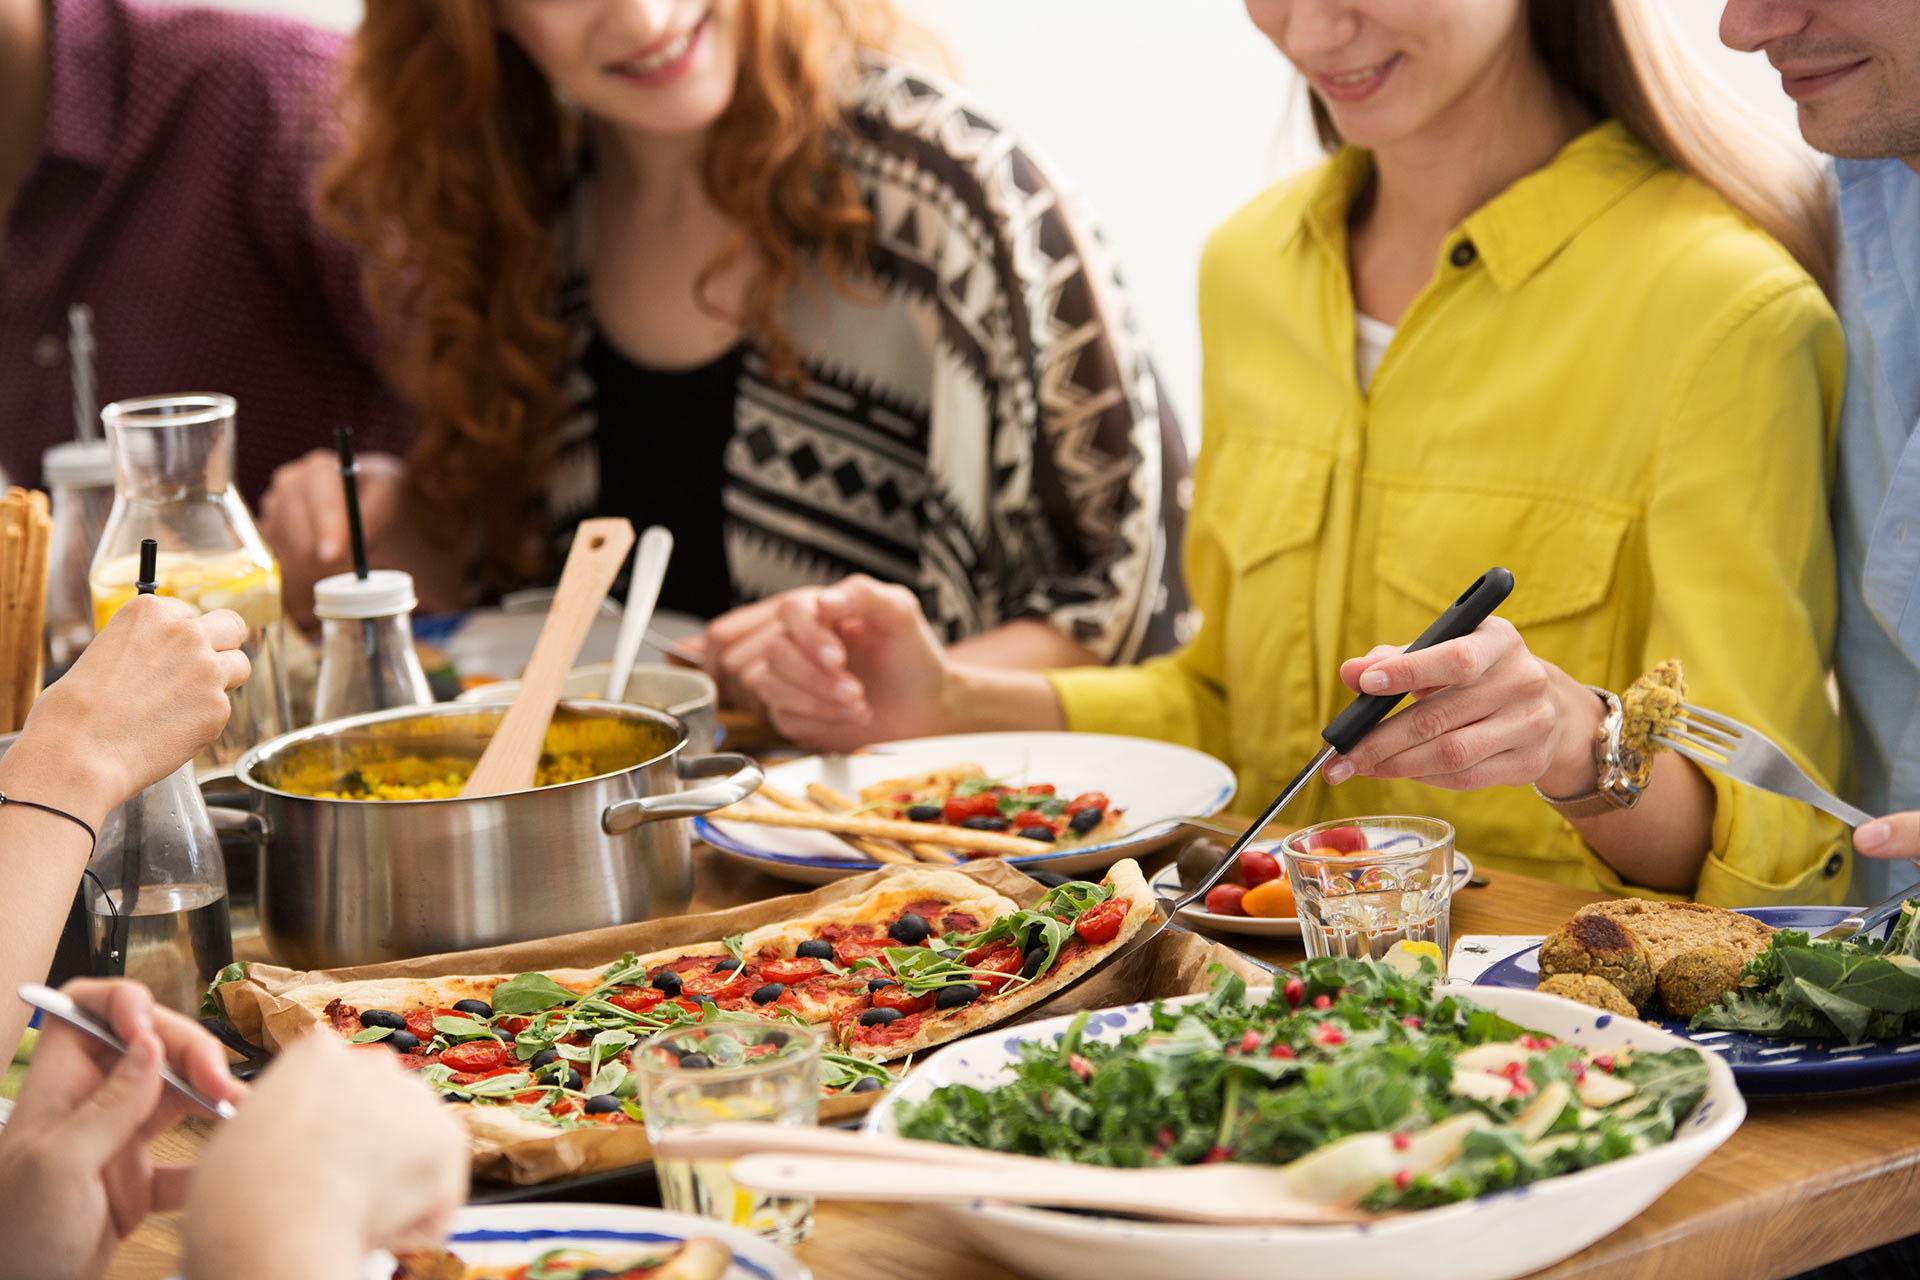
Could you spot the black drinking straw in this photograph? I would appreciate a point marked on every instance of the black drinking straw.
(120, 923)
(357, 539)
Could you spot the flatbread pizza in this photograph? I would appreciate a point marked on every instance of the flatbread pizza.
(699, 1258)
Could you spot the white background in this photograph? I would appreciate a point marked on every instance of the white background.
(1165, 114)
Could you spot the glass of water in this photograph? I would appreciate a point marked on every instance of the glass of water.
(1365, 885)
(726, 1072)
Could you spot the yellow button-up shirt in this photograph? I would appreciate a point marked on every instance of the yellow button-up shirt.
(1614, 386)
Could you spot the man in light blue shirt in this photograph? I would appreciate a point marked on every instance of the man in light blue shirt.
(1853, 68)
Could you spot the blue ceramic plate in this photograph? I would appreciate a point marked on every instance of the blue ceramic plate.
(1764, 1064)
(514, 1235)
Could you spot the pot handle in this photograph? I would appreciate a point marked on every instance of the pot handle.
(246, 822)
(740, 778)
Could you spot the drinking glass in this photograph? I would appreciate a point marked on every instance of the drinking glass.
(1364, 885)
(723, 1072)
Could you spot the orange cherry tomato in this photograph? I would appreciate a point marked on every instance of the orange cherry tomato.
(1272, 899)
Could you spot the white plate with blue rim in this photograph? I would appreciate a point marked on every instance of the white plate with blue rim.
(505, 1235)
(1153, 784)
(1167, 884)
(1494, 1237)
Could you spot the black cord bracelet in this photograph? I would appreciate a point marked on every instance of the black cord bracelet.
(93, 844)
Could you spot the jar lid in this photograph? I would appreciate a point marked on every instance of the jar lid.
(78, 464)
(381, 594)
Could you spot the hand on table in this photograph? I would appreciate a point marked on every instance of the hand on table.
(837, 667)
(1487, 713)
(341, 1152)
(75, 1176)
(148, 693)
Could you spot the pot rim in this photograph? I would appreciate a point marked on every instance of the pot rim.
(244, 767)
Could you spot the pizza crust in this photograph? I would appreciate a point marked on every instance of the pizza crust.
(1128, 883)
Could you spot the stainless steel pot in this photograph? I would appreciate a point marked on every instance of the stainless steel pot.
(346, 882)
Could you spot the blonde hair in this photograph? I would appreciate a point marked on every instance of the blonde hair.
(1624, 60)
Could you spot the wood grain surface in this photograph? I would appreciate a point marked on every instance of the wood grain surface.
(1802, 1182)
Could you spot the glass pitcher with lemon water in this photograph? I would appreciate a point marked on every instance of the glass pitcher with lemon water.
(173, 481)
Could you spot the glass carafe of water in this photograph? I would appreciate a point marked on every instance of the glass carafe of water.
(173, 482)
(156, 894)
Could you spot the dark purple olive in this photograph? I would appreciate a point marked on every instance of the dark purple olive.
(478, 1008)
(814, 949)
(769, 993)
(600, 1104)
(383, 1018)
(402, 1041)
(880, 1017)
(909, 930)
(667, 982)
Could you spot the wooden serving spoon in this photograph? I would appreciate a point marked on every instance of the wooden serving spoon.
(829, 1164)
(513, 755)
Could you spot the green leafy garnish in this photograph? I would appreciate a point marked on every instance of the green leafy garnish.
(235, 972)
(530, 993)
(735, 943)
(1858, 989)
(369, 1035)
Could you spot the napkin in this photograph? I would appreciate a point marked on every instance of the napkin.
(1475, 953)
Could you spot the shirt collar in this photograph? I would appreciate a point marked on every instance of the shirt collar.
(1521, 229)
(89, 54)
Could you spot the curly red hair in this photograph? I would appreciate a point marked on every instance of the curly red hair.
(452, 174)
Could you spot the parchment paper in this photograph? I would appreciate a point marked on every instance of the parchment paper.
(1175, 963)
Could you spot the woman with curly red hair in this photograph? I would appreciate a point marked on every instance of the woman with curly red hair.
(725, 265)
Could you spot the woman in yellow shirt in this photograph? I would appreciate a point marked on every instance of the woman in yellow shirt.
(1525, 316)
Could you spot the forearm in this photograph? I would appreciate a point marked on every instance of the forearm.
(1025, 643)
(985, 699)
(42, 856)
(306, 1242)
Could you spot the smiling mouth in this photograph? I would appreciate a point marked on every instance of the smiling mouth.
(1801, 81)
(667, 54)
(1356, 77)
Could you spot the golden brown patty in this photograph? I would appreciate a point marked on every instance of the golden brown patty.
(1669, 928)
(1604, 948)
(1696, 979)
(1588, 989)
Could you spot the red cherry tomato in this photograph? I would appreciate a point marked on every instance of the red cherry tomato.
(726, 982)
(791, 972)
(1101, 924)
(848, 950)
(1089, 800)
(636, 999)
(475, 1055)
(996, 965)
(1339, 840)
(960, 808)
(1257, 867)
(1040, 789)
(1224, 899)
(1034, 818)
(420, 1022)
(894, 997)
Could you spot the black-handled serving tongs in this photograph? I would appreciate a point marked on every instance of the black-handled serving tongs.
(1344, 733)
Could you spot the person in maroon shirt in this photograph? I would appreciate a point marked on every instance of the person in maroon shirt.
(155, 165)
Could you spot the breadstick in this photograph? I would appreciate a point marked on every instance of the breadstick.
(833, 802)
(921, 832)
(866, 848)
(932, 780)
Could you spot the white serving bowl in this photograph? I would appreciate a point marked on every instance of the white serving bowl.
(1495, 1237)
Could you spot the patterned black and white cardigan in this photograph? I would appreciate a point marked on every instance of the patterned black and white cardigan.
(987, 430)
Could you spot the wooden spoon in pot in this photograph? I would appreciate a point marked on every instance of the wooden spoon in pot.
(513, 755)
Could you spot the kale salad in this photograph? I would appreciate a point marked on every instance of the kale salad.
(1857, 989)
(1371, 1088)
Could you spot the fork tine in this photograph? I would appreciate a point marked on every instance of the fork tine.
(1704, 758)
(1726, 724)
(1706, 738)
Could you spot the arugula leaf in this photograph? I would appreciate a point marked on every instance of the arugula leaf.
(735, 943)
(369, 1035)
(498, 1086)
(461, 1027)
(530, 993)
(235, 972)
(608, 1078)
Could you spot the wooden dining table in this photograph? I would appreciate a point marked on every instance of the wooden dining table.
(1803, 1181)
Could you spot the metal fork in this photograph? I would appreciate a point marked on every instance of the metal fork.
(1714, 741)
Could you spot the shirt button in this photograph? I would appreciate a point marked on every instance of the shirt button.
(1463, 254)
(49, 350)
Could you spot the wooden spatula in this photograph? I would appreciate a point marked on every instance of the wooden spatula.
(599, 549)
(830, 1164)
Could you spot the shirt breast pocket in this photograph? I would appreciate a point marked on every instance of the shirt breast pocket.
(1564, 553)
(1267, 503)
